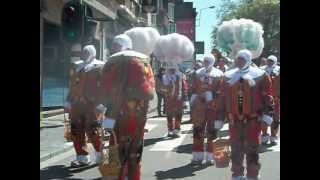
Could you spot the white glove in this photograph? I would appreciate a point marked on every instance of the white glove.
(193, 97)
(186, 104)
(267, 119)
(208, 96)
(218, 124)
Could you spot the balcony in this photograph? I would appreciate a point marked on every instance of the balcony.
(126, 13)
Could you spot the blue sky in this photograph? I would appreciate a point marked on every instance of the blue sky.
(207, 22)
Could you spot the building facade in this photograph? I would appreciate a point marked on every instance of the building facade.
(112, 17)
(185, 18)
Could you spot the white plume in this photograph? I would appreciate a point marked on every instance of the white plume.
(174, 48)
(143, 39)
(238, 34)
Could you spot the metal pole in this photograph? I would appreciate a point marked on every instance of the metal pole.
(41, 59)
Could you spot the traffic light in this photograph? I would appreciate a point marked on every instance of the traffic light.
(149, 6)
(72, 20)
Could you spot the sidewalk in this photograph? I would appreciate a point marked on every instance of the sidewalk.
(52, 141)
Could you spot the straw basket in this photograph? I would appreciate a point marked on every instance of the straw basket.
(67, 130)
(221, 152)
(111, 167)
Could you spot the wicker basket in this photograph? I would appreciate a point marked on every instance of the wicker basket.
(221, 152)
(111, 167)
(67, 131)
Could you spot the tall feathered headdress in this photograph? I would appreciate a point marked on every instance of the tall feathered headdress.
(143, 39)
(173, 49)
(238, 34)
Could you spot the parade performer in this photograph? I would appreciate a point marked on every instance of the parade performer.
(217, 55)
(248, 100)
(247, 92)
(222, 64)
(172, 50)
(274, 71)
(84, 87)
(263, 62)
(172, 81)
(127, 87)
(192, 75)
(160, 91)
(206, 110)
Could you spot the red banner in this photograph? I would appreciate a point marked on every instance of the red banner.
(187, 28)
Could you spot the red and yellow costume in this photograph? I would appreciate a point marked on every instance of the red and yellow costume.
(173, 84)
(206, 109)
(84, 87)
(127, 86)
(248, 96)
(274, 72)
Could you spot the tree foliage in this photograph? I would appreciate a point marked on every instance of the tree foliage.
(266, 12)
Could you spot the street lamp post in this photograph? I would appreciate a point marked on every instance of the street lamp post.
(211, 7)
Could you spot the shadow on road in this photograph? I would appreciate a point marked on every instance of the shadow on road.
(55, 172)
(155, 116)
(61, 172)
(186, 122)
(265, 148)
(51, 126)
(187, 149)
(179, 172)
(148, 142)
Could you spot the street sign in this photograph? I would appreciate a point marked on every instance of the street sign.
(199, 47)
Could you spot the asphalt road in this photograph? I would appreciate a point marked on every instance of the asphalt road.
(163, 158)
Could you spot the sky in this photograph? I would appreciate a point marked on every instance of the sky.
(207, 21)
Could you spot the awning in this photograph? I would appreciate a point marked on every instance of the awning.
(101, 8)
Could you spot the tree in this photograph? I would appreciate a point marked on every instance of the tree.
(266, 12)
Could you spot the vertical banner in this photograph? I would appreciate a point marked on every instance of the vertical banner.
(187, 28)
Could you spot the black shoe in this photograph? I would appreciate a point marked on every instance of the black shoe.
(196, 163)
(77, 164)
(274, 143)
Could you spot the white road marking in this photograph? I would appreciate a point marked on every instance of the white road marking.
(157, 119)
(57, 158)
(149, 127)
(170, 144)
(184, 118)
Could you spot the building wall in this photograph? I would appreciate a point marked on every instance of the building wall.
(56, 89)
(52, 10)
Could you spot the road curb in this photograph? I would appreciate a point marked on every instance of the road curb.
(46, 114)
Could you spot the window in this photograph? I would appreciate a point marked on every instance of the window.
(50, 53)
(154, 19)
(171, 11)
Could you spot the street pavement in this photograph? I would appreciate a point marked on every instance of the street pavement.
(163, 158)
(52, 141)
